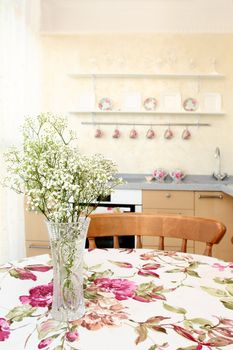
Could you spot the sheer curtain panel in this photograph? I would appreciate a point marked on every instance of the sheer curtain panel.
(19, 97)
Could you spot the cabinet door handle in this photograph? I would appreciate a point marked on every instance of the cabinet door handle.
(209, 196)
(39, 246)
(168, 195)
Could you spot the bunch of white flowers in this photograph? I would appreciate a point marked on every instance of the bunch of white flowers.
(56, 179)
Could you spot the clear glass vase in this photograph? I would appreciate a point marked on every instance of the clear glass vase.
(67, 247)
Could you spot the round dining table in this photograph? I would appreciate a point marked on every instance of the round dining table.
(135, 299)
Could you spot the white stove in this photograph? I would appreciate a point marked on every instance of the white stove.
(122, 200)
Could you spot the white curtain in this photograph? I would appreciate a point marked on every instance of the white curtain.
(19, 97)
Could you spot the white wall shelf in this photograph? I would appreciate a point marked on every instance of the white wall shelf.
(149, 75)
(197, 76)
(147, 112)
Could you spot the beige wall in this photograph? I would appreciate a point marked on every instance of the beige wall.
(140, 16)
(148, 53)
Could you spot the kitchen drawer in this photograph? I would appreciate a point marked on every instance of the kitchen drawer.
(37, 247)
(185, 212)
(168, 199)
(35, 227)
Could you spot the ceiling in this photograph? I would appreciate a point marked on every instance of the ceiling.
(130, 16)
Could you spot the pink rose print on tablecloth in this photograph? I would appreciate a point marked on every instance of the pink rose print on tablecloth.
(4, 329)
(121, 288)
(147, 270)
(123, 264)
(147, 256)
(72, 336)
(222, 267)
(22, 274)
(40, 296)
(106, 312)
(143, 272)
(152, 255)
(44, 343)
(39, 267)
(25, 273)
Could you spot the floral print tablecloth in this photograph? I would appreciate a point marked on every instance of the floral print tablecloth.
(135, 299)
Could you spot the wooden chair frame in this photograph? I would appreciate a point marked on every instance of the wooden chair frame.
(138, 224)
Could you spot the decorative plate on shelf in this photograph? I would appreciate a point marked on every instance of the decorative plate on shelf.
(190, 104)
(105, 104)
(212, 102)
(172, 102)
(150, 104)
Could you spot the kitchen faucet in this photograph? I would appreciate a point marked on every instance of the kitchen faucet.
(218, 175)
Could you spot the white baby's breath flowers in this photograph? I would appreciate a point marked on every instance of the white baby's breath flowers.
(56, 179)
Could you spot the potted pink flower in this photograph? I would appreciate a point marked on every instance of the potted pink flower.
(177, 175)
(159, 174)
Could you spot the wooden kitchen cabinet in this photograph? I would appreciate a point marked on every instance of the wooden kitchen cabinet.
(37, 248)
(219, 206)
(169, 203)
(167, 199)
(213, 205)
(37, 240)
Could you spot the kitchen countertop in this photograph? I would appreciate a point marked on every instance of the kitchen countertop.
(190, 183)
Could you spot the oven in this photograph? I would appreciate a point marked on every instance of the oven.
(119, 201)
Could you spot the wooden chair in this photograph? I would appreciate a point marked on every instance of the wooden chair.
(138, 224)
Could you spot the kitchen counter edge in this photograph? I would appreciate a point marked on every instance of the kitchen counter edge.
(190, 183)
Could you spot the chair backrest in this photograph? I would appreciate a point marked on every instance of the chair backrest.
(138, 224)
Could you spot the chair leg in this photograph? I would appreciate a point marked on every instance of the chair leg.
(208, 249)
(139, 242)
(115, 242)
(184, 245)
(161, 243)
(92, 244)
